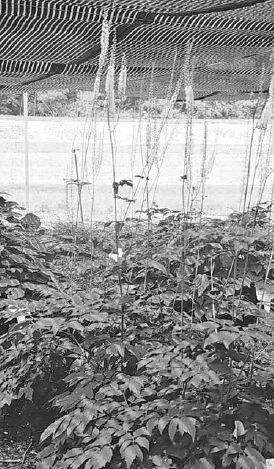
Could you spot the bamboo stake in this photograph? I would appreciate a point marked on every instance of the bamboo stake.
(25, 111)
(79, 187)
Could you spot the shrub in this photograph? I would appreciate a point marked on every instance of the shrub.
(170, 366)
(24, 262)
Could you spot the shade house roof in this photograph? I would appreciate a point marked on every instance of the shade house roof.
(227, 46)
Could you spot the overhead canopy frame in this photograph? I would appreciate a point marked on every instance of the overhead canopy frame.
(55, 44)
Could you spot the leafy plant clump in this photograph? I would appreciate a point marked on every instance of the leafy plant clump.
(163, 359)
(23, 264)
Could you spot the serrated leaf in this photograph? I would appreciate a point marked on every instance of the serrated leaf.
(125, 444)
(16, 293)
(76, 325)
(239, 429)
(141, 432)
(78, 461)
(202, 283)
(143, 442)
(72, 453)
(234, 448)
(256, 457)
(226, 260)
(172, 428)
(4, 283)
(67, 420)
(13, 282)
(163, 421)
(129, 455)
(135, 384)
(157, 265)
(117, 349)
(151, 424)
(223, 336)
(244, 462)
(187, 425)
(204, 463)
(221, 446)
(48, 451)
(139, 452)
(51, 429)
(157, 460)
(100, 458)
(42, 465)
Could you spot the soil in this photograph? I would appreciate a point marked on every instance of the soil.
(17, 449)
(13, 454)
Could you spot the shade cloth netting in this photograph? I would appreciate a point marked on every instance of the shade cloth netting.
(53, 44)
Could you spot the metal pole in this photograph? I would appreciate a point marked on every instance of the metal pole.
(25, 110)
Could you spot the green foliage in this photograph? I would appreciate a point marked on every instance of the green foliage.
(11, 105)
(24, 267)
(76, 104)
(54, 103)
(26, 277)
(227, 110)
(159, 368)
(50, 103)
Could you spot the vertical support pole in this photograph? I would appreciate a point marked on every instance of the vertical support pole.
(79, 188)
(26, 139)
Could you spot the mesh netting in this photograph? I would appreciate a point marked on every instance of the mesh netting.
(56, 44)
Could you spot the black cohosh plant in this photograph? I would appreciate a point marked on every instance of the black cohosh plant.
(191, 393)
(163, 357)
(24, 262)
(188, 382)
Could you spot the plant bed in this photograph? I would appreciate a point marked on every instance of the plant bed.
(151, 350)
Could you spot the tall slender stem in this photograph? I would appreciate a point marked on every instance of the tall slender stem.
(248, 167)
(112, 147)
(27, 185)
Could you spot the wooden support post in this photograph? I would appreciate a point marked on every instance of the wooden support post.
(26, 139)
